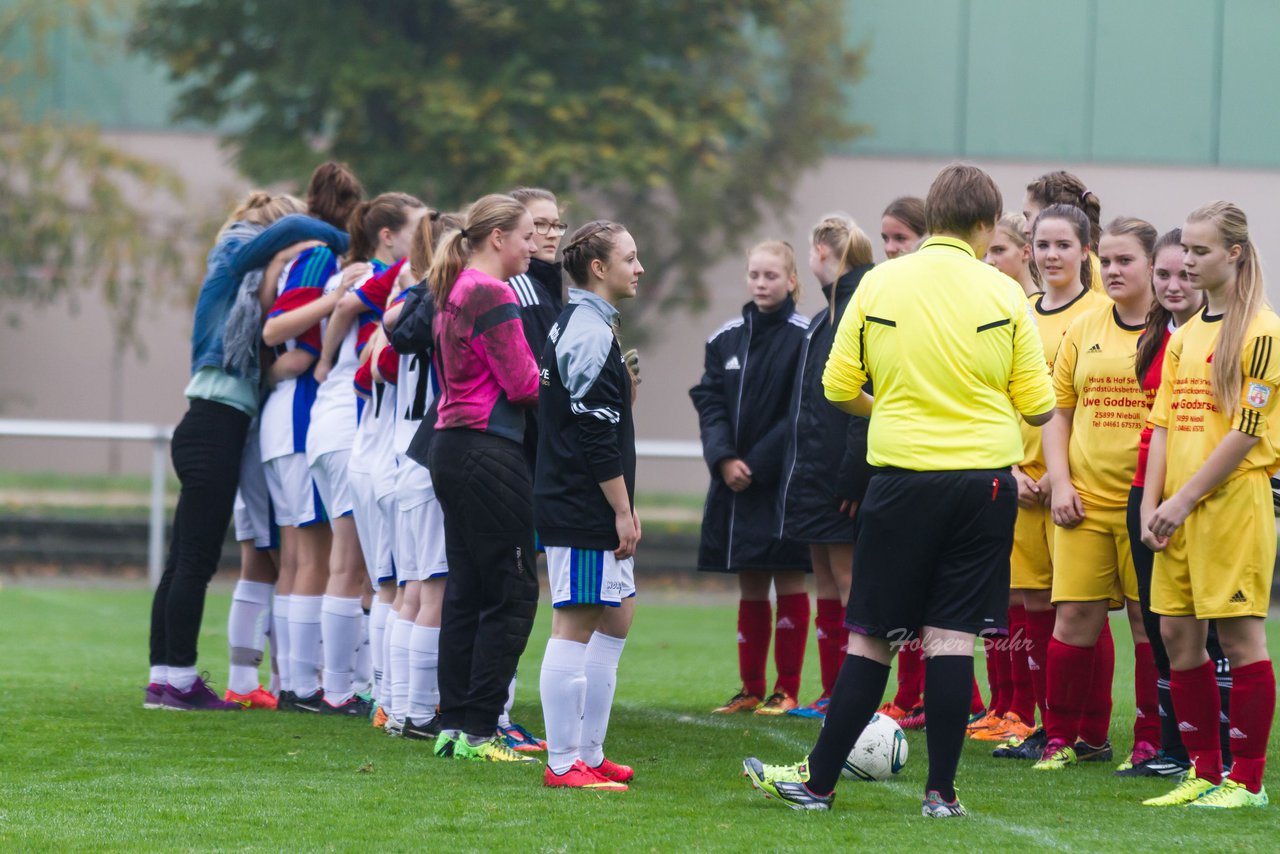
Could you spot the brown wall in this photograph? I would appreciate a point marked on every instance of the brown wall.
(66, 381)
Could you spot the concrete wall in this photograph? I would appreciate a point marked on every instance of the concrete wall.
(62, 358)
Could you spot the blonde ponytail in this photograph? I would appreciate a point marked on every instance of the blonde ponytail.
(495, 211)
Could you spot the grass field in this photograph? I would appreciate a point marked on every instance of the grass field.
(83, 766)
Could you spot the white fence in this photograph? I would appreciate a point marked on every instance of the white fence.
(159, 437)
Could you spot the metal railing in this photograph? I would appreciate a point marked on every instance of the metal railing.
(159, 437)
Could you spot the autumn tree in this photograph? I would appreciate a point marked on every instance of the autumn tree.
(688, 120)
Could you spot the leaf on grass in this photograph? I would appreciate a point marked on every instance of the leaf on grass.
(366, 768)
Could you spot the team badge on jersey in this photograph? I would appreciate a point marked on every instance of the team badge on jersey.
(1258, 394)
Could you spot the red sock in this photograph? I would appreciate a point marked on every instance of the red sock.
(910, 676)
(1067, 684)
(1146, 726)
(1039, 631)
(791, 633)
(1253, 707)
(831, 639)
(976, 703)
(998, 675)
(755, 625)
(1095, 716)
(1198, 706)
(1023, 700)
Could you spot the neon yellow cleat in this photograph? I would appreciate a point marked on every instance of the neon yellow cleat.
(1192, 788)
(1231, 796)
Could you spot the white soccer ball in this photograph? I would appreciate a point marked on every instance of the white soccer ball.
(880, 753)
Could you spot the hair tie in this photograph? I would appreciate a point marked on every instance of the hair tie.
(1083, 194)
(464, 234)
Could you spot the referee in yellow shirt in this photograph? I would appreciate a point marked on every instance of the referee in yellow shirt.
(954, 357)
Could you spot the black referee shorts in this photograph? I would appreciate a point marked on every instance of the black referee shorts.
(933, 550)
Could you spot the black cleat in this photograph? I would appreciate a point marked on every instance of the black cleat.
(312, 703)
(1023, 748)
(355, 707)
(424, 731)
(1089, 753)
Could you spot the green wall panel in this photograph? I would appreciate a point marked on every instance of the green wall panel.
(1250, 115)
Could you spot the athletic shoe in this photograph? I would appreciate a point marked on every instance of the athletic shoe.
(579, 776)
(421, 731)
(1231, 796)
(1190, 789)
(984, 725)
(1023, 748)
(1142, 751)
(777, 704)
(1159, 765)
(786, 783)
(1057, 755)
(354, 707)
(613, 771)
(933, 806)
(1089, 753)
(519, 738)
(493, 750)
(914, 719)
(889, 710)
(258, 698)
(444, 745)
(379, 719)
(394, 727)
(311, 703)
(154, 696)
(200, 698)
(816, 709)
(1011, 726)
(740, 702)
(283, 699)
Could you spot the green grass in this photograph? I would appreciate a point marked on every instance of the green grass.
(83, 766)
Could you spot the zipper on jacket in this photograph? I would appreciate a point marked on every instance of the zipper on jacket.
(795, 428)
(737, 419)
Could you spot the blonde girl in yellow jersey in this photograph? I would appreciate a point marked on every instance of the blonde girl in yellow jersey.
(1060, 246)
(1091, 448)
(1214, 443)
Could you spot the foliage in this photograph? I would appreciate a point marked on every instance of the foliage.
(76, 212)
(688, 120)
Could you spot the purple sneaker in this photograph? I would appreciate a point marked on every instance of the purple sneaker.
(154, 698)
(198, 699)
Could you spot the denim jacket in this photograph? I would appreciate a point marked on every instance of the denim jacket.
(240, 250)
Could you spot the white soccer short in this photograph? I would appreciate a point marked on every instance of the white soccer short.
(329, 471)
(420, 554)
(589, 577)
(294, 496)
(370, 525)
(253, 517)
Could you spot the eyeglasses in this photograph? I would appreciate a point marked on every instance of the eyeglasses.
(545, 228)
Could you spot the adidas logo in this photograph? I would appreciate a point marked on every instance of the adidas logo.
(1236, 733)
(785, 623)
(1096, 348)
(821, 634)
(1183, 726)
(741, 638)
(1140, 713)
(1238, 599)
(1032, 664)
(732, 364)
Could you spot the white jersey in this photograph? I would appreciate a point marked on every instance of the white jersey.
(334, 415)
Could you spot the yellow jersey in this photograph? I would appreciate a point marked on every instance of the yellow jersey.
(952, 350)
(1053, 324)
(1186, 408)
(1094, 375)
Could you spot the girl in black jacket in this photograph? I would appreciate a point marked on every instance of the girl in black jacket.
(742, 404)
(817, 509)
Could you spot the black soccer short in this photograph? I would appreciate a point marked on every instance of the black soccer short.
(933, 550)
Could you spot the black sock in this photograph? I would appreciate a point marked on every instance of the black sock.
(947, 681)
(1170, 737)
(857, 694)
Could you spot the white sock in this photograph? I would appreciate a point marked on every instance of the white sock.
(304, 643)
(274, 684)
(364, 658)
(401, 632)
(601, 668)
(563, 685)
(384, 696)
(280, 641)
(159, 675)
(424, 672)
(377, 643)
(504, 719)
(182, 678)
(340, 625)
(247, 633)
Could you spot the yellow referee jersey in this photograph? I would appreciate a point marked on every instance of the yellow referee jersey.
(1053, 323)
(951, 346)
(1094, 375)
(1185, 405)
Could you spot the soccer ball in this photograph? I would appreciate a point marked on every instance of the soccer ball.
(880, 753)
